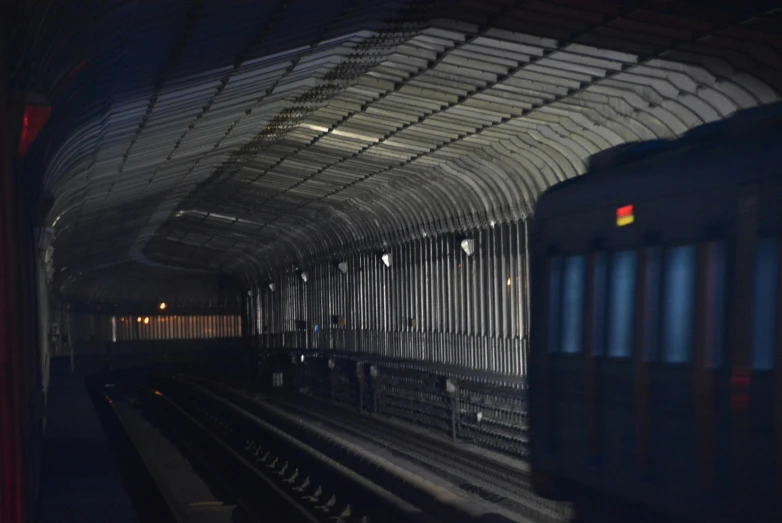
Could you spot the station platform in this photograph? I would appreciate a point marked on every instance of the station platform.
(80, 479)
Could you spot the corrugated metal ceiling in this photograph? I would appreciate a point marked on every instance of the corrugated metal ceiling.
(239, 137)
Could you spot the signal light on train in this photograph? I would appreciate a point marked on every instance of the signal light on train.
(624, 216)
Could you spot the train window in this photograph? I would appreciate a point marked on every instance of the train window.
(765, 306)
(621, 309)
(715, 300)
(678, 308)
(554, 296)
(573, 304)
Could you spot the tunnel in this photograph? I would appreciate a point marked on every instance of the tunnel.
(318, 194)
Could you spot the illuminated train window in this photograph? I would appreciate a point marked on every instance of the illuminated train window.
(678, 306)
(573, 304)
(621, 298)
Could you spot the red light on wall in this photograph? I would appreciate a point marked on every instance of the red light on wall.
(35, 118)
(625, 216)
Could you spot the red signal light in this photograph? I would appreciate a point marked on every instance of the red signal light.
(625, 216)
(35, 118)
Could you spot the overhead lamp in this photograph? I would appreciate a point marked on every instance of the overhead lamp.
(146, 320)
(343, 267)
(468, 246)
(304, 277)
(138, 320)
(272, 287)
(163, 306)
(386, 257)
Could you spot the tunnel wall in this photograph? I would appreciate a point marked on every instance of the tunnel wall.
(433, 303)
(82, 328)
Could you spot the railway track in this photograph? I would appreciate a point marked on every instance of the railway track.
(271, 475)
(489, 479)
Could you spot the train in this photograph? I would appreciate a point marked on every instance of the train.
(655, 370)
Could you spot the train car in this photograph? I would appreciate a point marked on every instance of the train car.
(656, 353)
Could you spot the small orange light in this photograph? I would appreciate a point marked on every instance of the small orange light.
(509, 282)
(625, 216)
(138, 319)
(146, 320)
(163, 306)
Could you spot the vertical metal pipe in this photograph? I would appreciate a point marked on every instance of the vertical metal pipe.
(413, 290)
(437, 297)
(492, 278)
(449, 295)
(525, 302)
(426, 324)
(507, 272)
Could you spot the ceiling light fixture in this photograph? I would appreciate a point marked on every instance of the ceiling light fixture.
(386, 257)
(468, 246)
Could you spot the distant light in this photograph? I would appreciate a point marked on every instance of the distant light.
(163, 306)
(305, 277)
(509, 282)
(343, 267)
(138, 319)
(468, 246)
(302, 358)
(272, 287)
(386, 259)
(492, 224)
(625, 216)
(146, 320)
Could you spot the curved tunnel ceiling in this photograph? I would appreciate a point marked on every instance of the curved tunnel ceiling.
(313, 127)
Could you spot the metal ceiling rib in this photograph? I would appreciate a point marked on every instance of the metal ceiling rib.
(468, 126)
(375, 123)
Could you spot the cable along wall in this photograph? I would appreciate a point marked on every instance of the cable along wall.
(426, 299)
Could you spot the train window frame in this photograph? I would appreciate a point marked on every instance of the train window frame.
(599, 301)
(765, 361)
(716, 318)
(651, 306)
